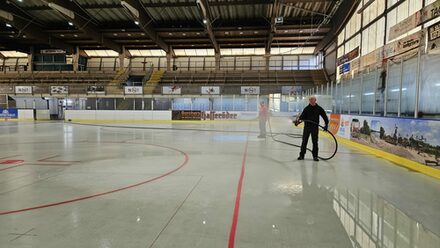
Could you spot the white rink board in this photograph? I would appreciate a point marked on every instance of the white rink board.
(116, 115)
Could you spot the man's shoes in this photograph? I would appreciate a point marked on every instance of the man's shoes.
(300, 158)
(316, 159)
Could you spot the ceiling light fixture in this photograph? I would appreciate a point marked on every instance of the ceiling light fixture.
(70, 23)
(136, 22)
(8, 25)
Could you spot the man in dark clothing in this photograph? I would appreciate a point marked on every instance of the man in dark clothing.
(311, 113)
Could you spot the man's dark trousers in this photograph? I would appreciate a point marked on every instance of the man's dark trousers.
(310, 130)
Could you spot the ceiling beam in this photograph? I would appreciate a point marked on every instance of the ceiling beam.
(26, 26)
(139, 14)
(341, 17)
(81, 19)
(159, 4)
(308, 1)
(207, 21)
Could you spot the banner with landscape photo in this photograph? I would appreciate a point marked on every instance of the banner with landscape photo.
(414, 139)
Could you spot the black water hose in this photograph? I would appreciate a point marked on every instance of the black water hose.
(273, 136)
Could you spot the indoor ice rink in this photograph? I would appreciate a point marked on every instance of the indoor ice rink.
(183, 123)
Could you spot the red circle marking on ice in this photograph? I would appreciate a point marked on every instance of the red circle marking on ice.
(185, 162)
(11, 161)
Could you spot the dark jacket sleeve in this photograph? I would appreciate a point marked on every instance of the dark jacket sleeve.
(303, 114)
(324, 116)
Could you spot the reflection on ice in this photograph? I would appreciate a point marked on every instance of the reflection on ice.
(370, 221)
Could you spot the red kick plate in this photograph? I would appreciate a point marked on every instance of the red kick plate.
(11, 161)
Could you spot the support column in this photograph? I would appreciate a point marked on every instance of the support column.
(385, 100)
(419, 64)
(30, 59)
(267, 59)
(217, 61)
(169, 58)
(75, 59)
(122, 58)
(399, 107)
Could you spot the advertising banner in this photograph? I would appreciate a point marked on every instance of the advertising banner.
(52, 51)
(229, 115)
(210, 90)
(23, 89)
(403, 45)
(250, 90)
(372, 58)
(96, 89)
(406, 25)
(345, 68)
(434, 39)
(133, 90)
(290, 90)
(219, 115)
(431, 11)
(182, 115)
(348, 57)
(58, 90)
(10, 113)
(414, 139)
(171, 90)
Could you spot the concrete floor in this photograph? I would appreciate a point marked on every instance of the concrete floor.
(70, 185)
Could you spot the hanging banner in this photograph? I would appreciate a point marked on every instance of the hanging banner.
(431, 11)
(23, 89)
(250, 90)
(96, 89)
(355, 65)
(290, 90)
(406, 25)
(52, 51)
(434, 39)
(345, 68)
(210, 90)
(403, 45)
(434, 32)
(348, 57)
(171, 90)
(372, 58)
(58, 90)
(133, 90)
